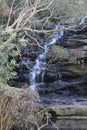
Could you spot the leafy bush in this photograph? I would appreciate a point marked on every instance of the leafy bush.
(7, 64)
(10, 49)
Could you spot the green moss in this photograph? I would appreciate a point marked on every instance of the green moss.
(59, 49)
(57, 53)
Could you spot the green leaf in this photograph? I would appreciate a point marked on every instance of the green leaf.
(13, 53)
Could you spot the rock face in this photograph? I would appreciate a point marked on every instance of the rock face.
(69, 66)
(65, 76)
(69, 110)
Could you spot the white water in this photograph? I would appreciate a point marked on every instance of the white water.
(40, 63)
(82, 21)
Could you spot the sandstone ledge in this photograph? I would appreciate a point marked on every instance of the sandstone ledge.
(68, 110)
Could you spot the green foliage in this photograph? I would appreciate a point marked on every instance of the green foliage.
(22, 42)
(61, 50)
(57, 54)
(7, 65)
(10, 47)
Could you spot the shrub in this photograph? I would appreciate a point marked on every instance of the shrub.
(19, 110)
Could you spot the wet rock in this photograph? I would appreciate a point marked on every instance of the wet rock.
(24, 66)
(22, 78)
(78, 53)
(66, 76)
(55, 68)
(50, 77)
(73, 42)
(32, 47)
(79, 69)
(81, 29)
(32, 56)
(41, 88)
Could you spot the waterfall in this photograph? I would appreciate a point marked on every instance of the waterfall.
(40, 62)
(82, 21)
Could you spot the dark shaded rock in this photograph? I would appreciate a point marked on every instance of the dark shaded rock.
(66, 76)
(50, 77)
(32, 47)
(79, 69)
(62, 73)
(41, 38)
(72, 42)
(16, 83)
(32, 56)
(55, 68)
(22, 78)
(24, 66)
(81, 29)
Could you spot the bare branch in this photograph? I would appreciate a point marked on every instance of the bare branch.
(10, 13)
(34, 40)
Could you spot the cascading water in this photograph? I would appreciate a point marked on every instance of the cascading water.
(40, 63)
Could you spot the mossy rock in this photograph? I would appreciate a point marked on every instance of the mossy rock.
(57, 54)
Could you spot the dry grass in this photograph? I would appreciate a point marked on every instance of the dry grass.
(6, 108)
(19, 110)
(27, 111)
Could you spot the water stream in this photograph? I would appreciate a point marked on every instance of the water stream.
(40, 63)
